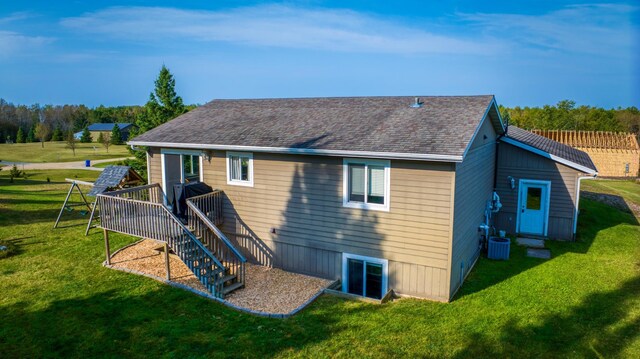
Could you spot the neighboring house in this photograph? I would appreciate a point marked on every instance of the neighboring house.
(616, 154)
(382, 193)
(97, 128)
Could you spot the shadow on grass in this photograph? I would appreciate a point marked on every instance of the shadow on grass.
(594, 217)
(163, 322)
(589, 324)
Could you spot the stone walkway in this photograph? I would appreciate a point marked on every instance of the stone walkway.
(267, 290)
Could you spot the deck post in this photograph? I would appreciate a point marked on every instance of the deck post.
(166, 260)
(106, 245)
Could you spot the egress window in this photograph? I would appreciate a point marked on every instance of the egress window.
(366, 184)
(240, 168)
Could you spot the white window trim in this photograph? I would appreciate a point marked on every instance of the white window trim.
(387, 184)
(385, 271)
(248, 183)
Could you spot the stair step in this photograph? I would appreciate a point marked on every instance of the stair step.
(226, 278)
(530, 242)
(232, 287)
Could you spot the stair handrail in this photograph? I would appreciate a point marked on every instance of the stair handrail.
(203, 217)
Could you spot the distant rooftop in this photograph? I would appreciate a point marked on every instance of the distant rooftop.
(108, 126)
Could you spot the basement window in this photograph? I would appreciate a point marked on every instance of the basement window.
(366, 184)
(240, 169)
(364, 276)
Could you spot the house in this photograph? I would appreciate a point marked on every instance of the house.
(105, 128)
(379, 192)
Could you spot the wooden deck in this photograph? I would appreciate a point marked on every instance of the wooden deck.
(200, 245)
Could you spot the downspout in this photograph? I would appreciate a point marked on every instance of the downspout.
(577, 211)
(495, 160)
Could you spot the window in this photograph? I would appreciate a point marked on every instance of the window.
(240, 169)
(534, 196)
(190, 168)
(364, 276)
(366, 184)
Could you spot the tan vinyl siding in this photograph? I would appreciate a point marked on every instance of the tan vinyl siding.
(521, 164)
(155, 166)
(301, 198)
(473, 188)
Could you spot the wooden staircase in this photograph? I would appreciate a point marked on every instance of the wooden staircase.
(204, 249)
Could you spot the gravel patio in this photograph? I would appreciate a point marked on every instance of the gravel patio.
(267, 290)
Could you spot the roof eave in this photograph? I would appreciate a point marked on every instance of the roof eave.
(555, 158)
(304, 151)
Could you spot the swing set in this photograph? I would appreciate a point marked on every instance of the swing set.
(112, 178)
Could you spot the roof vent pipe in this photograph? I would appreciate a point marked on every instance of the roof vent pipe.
(417, 104)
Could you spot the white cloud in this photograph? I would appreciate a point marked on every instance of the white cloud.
(603, 29)
(278, 26)
(13, 43)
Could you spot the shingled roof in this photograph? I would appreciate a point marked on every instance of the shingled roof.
(557, 151)
(441, 127)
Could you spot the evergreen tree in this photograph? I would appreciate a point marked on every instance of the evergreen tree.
(100, 138)
(163, 105)
(57, 134)
(116, 135)
(31, 136)
(86, 136)
(20, 136)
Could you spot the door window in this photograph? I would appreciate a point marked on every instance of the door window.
(190, 168)
(534, 198)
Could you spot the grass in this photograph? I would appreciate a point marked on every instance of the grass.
(110, 163)
(58, 301)
(57, 152)
(629, 189)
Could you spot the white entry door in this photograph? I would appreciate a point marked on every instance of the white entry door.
(533, 213)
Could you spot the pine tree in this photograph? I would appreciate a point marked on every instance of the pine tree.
(86, 136)
(20, 136)
(57, 134)
(31, 136)
(163, 105)
(100, 138)
(116, 135)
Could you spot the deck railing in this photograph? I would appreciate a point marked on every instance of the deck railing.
(211, 205)
(150, 193)
(200, 221)
(146, 219)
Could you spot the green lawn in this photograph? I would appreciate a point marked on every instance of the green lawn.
(110, 163)
(57, 152)
(58, 301)
(629, 189)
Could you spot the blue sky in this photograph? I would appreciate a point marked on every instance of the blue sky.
(527, 53)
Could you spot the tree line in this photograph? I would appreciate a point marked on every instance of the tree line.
(566, 116)
(22, 123)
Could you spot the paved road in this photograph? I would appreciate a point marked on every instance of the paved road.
(77, 165)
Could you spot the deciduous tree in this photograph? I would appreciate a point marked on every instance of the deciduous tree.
(72, 143)
(42, 132)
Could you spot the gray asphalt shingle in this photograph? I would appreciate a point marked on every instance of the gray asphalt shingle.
(441, 126)
(550, 146)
